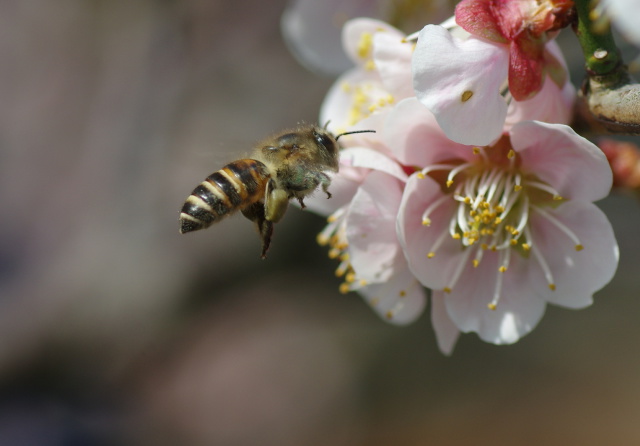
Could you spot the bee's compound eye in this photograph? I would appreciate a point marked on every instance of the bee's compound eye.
(325, 140)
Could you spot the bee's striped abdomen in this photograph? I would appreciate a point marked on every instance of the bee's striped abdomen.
(237, 185)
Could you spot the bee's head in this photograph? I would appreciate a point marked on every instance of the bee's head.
(324, 138)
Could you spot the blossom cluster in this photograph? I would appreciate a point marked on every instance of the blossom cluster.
(473, 186)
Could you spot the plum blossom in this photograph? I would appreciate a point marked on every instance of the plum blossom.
(381, 75)
(471, 79)
(311, 28)
(498, 231)
(361, 235)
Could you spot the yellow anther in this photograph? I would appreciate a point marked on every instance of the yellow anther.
(552, 287)
(467, 200)
(449, 183)
(431, 255)
(420, 176)
(476, 262)
(557, 198)
(517, 187)
(476, 150)
(526, 246)
(322, 239)
(350, 278)
(331, 218)
(426, 221)
(344, 288)
(492, 306)
(511, 154)
(446, 289)
(402, 293)
(365, 44)
(363, 282)
(513, 241)
(502, 269)
(579, 247)
(484, 246)
(389, 314)
(456, 236)
(334, 253)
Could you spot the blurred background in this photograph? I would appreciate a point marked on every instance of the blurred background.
(117, 330)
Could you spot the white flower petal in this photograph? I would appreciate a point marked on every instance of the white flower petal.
(351, 99)
(357, 37)
(313, 36)
(392, 55)
(460, 81)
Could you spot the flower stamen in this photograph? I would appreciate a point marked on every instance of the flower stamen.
(558, 224)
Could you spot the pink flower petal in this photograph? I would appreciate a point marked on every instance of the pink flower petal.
(577, 274)
(517, 312)
(400, 301)
(415, 138)
(371, 159)
(459, 81)
(418, 240)
(551, 104)
(342, 191)
(370, 228)
(476, 17)
(447, 333)
(556, 154)
(526, 69)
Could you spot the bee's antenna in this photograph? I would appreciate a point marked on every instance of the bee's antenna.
(355, 131)
(327, 124)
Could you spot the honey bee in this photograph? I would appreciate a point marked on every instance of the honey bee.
(288, 165)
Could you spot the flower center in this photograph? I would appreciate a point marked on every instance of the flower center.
(493, 204)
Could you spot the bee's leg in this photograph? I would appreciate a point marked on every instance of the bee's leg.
(325, 180)
(301, 201)
(276, 202)
(256, 214)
